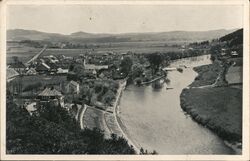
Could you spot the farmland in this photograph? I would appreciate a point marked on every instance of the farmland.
(25, 53)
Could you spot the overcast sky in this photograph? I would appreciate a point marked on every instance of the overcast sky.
(123, 18)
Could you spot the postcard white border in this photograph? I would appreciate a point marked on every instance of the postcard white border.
(245, 150)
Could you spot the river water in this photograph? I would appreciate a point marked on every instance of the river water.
(154, 120)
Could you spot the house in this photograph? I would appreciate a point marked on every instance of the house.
(19, 67)
(223, 52)
(11, 74)
(62, 71)
(42, 68)
(73, 87)
(50, 96)
(94, 68)
(31, 71)
(53, 59)
(234, 53)
(31, 108)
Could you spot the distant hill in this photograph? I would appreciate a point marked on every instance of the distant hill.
(234, 38)
(20, 34)
(83, 37)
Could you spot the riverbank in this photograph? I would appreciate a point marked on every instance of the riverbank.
(107, 120)
(219, 109)
(118, 121)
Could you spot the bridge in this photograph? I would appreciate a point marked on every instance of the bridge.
(154, 80)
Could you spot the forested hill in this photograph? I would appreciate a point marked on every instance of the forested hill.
(83, 37)
(234, 38)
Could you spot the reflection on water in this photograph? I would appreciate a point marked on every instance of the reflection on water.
(154, 119)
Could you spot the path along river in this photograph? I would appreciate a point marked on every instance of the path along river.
(154, 120)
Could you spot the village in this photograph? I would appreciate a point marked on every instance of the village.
(65, 81)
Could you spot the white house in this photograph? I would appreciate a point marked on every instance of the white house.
(73, 87)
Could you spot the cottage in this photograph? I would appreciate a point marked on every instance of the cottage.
(50, 96)
(73, 87)
(31, 108)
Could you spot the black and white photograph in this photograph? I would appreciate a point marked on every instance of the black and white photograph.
(123, 78)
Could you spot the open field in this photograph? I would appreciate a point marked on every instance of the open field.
(25, 53)
(218, 108)
(94, 118)
(234, 75)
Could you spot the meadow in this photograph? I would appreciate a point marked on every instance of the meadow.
(25, 53)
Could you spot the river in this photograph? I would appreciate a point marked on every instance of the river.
(154, 120)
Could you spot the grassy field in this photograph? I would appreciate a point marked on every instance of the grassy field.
(235, 75)
(207, 74)
(25, 53)
(219, 108)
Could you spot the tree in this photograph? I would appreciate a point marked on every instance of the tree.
(155, 60)
(126, 65)
(55, 132)
(137, 70)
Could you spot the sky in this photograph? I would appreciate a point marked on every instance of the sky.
(123, 18)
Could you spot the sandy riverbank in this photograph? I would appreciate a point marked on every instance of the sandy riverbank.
(219, 109)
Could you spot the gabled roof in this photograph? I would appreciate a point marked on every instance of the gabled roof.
(95, 67)
(31, 71)
(74, 83)
(50, 92)
(11, 73)
(42, 66)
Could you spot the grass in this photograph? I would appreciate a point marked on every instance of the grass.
(26, 54)
(235, 75)
(219, 109)
(207, 74)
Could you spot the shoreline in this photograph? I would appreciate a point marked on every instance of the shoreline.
(118, 120)
(110, 119)
(211, 113)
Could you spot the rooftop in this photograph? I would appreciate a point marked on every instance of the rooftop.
(50, 92)
(74, 83)
(11, 73)
(96, 67)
